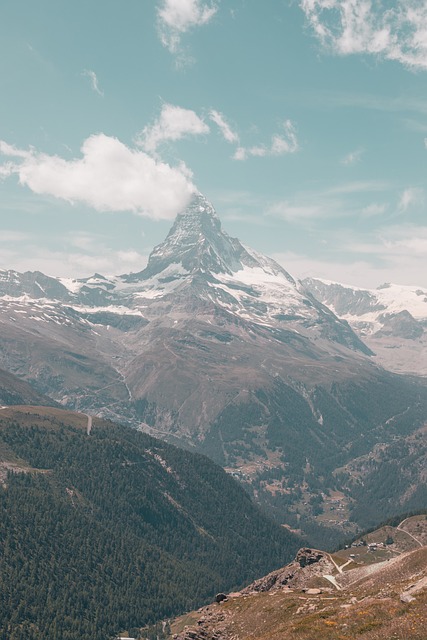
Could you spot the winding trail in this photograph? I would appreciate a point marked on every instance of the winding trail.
(338, 567)
(399, 528)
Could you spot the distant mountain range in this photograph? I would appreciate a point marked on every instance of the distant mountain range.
(391, 320)
(217, 348)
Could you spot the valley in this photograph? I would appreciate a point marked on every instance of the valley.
(216, 348)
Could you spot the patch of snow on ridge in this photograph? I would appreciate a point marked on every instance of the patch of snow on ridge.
(400, 298)
(117, 309)
(268, 287)
(72, 285)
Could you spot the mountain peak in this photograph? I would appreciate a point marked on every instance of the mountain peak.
(199, 209)
(197, 243)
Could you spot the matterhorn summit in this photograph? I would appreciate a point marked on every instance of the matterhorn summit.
(198, 244)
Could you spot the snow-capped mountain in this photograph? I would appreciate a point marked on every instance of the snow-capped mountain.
(197, 257)
(391, 320)
(211, 345)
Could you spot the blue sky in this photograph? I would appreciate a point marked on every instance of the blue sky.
(303, 121)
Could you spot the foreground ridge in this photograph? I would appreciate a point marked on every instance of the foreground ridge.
(370, 591)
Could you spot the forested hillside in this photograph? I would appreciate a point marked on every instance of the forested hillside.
(114, 529)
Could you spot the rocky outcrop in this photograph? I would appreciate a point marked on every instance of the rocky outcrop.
(308, 556)
(308, 564)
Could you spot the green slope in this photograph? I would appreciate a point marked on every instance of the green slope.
(115, 529)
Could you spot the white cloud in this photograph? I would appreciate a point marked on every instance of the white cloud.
(391, 29)
(280, 144)
(224, 127)
(108, 177)
(411, 197)
(93, 81)
(176, 17)
(174, 124)
(7, 149)
(352, 158)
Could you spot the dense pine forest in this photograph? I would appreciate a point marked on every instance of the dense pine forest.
(114, 530)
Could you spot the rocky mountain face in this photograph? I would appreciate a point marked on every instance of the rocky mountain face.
(218, 348)
(391, 320)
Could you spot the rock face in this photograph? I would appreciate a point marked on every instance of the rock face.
(216, 347)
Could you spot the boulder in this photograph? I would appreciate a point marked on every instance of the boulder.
(220, 597)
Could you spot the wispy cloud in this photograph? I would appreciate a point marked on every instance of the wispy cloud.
(352, 158)
(397, 241)
(391, 254)
(336, 201)
(374, 209)
(410, 197)
(357, 186)
(174, 123)
(93, 81)
(177, 17)
(390, 29)
(108, 177)
(224, 127)
(298, 212)
(280, 144)
(8, 236)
